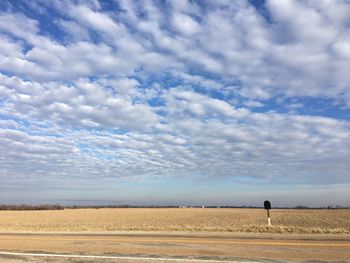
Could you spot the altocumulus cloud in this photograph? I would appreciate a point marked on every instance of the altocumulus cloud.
(95, 94)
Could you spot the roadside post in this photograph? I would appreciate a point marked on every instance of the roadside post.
(267, 206)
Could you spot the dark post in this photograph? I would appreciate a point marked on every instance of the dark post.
(267, 206)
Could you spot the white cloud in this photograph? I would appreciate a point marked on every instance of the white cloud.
(9, 48)
(253, 103)
(180, 102)
(77, 32)
(95, 20)
(19, 25)
(85, 103)
(185, 24)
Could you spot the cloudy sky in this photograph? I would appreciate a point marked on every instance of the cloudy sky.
(173, 102)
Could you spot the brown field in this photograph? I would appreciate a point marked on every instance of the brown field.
(214, 234)
(188, 219)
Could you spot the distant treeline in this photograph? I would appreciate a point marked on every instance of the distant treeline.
(31, 207)
(61, 207)
(331, 207)
(155, 206)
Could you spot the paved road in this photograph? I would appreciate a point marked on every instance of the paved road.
(204, 246)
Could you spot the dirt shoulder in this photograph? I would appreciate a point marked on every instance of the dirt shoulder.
(213, 246)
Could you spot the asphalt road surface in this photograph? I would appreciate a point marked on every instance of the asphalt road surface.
(173, 247)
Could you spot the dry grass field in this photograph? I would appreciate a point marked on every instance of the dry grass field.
(188, 219)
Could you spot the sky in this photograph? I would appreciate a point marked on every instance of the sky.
(209, 102)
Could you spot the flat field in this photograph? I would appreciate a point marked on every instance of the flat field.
(176, 219)
(175, 234)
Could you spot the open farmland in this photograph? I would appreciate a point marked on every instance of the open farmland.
(145, 234)
(192, 220)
